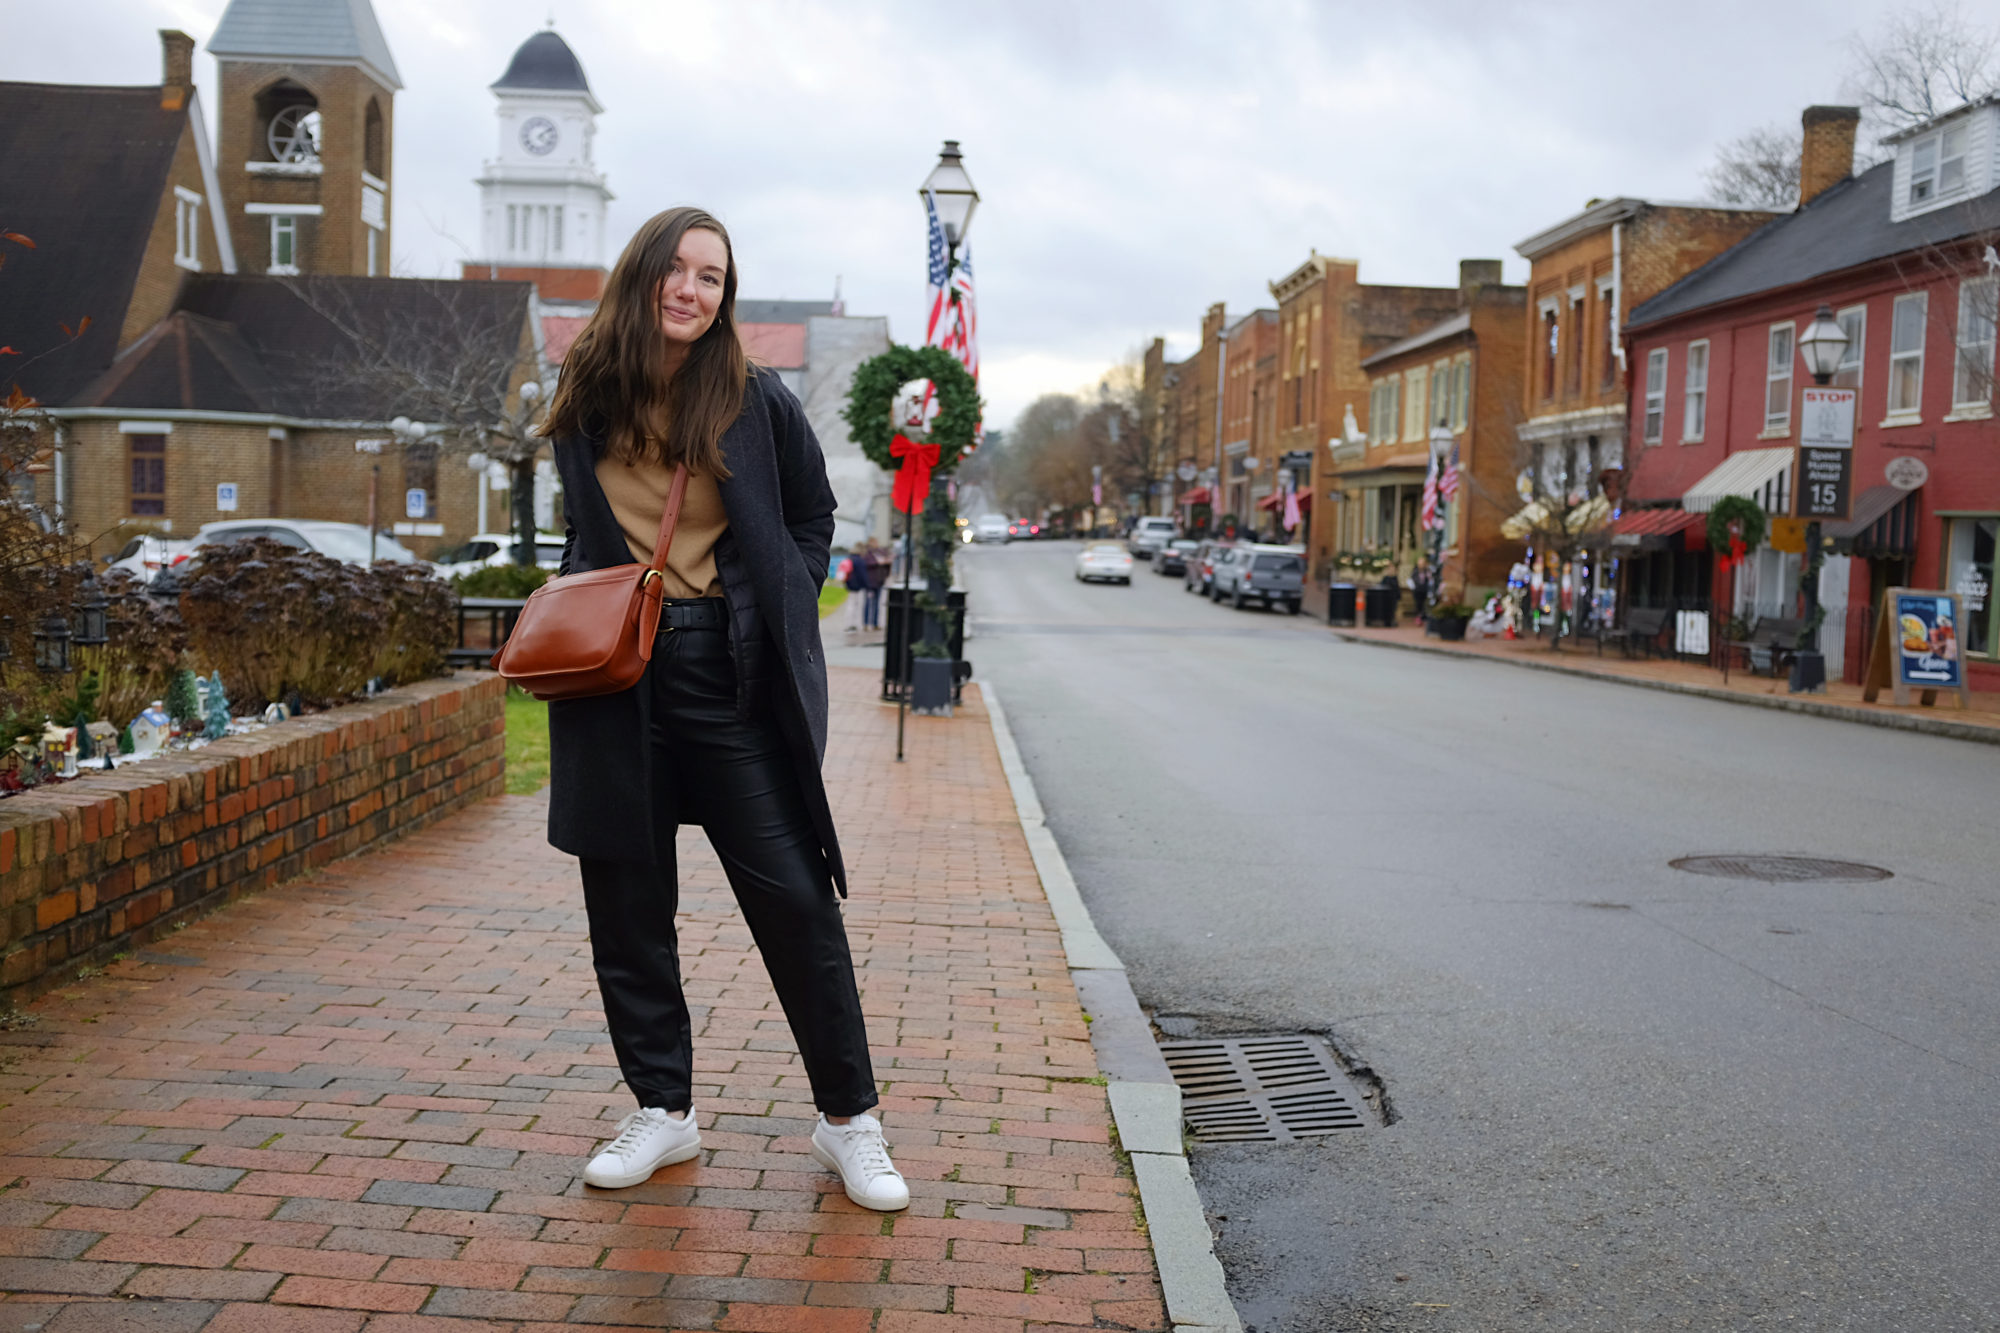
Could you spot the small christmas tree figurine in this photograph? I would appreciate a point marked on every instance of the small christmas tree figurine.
(218, 710)
(84, 749)
(184, 702)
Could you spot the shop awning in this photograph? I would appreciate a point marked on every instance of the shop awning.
(1196, 496)
(1883, 522)
(1651, 527)
(1276, 500)
(1763, 475)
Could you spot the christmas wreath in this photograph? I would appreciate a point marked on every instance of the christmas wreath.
(872, 396)
(1747, 516)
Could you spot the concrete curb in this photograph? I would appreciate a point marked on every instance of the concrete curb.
(1145, 1101)
(1928, 726)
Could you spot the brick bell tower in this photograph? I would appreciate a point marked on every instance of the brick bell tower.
(308, 92)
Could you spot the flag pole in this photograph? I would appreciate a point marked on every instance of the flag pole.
(903, 656)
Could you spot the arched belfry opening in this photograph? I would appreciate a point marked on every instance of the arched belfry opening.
(287, 125)
(373, 157)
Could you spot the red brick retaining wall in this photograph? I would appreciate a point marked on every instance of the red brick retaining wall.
(92, 867)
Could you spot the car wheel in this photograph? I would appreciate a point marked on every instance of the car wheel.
(1292, 607)
(1236, 599)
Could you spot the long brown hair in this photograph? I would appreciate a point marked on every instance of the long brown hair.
(615, 379)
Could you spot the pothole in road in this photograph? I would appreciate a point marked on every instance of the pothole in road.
(1780, 869)
(1281, 1088)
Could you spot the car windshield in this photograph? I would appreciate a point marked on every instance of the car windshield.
(1104, 548)
(999, 519)
(343, 543)
(1272, 564)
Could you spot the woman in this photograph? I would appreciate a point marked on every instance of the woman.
(728, 725)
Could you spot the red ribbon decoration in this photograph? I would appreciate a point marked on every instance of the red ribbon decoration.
(913, 478)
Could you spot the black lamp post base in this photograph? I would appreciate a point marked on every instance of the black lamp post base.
(1808, 672)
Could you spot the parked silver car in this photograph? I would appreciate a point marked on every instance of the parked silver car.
(1200, 574)
(1149, 535)
(342, 541)
(1272, 575)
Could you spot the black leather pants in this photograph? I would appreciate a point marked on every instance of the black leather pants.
(757, 822)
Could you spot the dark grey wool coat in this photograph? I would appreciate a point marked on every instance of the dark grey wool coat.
(772, 560)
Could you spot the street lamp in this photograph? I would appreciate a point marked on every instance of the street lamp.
(952, 189)
(1823, 347)
(91, 630)
(1441, 438)
(52, 641)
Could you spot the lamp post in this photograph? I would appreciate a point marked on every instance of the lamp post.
(1822, 347)
(1440, 453)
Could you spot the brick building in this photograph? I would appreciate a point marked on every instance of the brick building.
(1462, 373)
(1902, 255)
(1585, 273)
(1329, 321)
(1249, 413)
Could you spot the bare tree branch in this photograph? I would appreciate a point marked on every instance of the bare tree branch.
(1921, 62)
(1759, 169)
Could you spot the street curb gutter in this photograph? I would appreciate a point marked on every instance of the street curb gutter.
(1928, 726)
(1145, 1101)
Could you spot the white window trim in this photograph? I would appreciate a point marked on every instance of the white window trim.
(284, 270)
(295, 210)
(1909, 416)
(370, 178)
(187, 229)
(1965, 409)
(1859, 346)
(1778, 428)
(1654, 399)
(1688, 390)
(145, 428)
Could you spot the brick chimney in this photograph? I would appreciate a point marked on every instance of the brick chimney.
(1476, 273)
(1827, 157)
(176, 69)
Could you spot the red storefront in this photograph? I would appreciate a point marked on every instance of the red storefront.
(1903, 256)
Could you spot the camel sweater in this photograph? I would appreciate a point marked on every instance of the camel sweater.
(638, 496)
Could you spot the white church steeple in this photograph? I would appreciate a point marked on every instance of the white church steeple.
(542, 198)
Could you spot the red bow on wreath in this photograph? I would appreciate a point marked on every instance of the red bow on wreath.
(913, 478)
(1737, 552)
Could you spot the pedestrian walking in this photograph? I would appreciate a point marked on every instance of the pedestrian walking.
(856, 583)
(727, 727)
(876, 567)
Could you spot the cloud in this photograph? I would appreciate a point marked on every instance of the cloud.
(1138, 160)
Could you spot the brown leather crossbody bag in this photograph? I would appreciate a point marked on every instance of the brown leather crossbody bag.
(592, 633)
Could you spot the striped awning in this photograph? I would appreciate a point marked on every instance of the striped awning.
(1763, 475)
(1882, 522)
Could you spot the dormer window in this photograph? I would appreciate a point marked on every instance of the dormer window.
(1937, 164)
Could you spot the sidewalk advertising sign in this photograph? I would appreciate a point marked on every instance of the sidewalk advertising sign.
(1826, 454)
(1917, 647)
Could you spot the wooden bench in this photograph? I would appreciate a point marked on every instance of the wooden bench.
(1772, 644)
(1642, 628)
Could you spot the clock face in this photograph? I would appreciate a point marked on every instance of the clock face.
(538, 135)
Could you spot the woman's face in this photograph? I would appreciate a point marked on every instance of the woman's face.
(691, 296)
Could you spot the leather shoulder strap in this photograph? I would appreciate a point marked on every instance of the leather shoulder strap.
(670, 518)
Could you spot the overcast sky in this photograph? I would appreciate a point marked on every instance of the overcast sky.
(1137, 159)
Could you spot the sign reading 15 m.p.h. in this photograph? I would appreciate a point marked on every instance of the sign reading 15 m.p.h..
(1826, 454)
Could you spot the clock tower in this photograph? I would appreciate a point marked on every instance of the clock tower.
(542, 198)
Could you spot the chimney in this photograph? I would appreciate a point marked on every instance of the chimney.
(1827, 157)
(176, 69)
(1476, 273)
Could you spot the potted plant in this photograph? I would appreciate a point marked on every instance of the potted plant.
(1447, 620)
(930, 678)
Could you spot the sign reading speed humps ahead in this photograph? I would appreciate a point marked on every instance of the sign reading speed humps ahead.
(1826, 454)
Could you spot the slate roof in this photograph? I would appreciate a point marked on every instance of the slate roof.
(545, 63)
(322, 348)
(1846, 226)
(85, 171)
(780, 312)
(306, 30)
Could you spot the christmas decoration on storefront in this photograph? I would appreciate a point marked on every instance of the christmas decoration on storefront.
(1735, 528)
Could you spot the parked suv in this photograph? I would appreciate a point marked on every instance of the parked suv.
(1273, 575)
(1149, 535)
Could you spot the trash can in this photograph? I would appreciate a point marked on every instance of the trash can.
(1340, 604)
(1379, 610)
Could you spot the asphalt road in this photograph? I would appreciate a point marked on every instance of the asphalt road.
(1623, 1097)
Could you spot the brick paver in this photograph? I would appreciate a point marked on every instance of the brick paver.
(359, 1103)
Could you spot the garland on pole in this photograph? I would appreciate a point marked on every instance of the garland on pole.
(872, 398)
(1747, 516)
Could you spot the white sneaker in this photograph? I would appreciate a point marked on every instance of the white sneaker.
(856, 1153)
(648, 1139)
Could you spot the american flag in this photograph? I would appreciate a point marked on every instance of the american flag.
(937, 296)
(963, 340)
(952, 321)
(1428, 515)
(1448, 479)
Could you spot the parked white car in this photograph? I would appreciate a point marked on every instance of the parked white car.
(1103, 561)
(145, 556)
(1150, 534)
(496, 548)
(990, 528)
(342, 541)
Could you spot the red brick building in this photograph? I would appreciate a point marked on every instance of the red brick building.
(1903, 256)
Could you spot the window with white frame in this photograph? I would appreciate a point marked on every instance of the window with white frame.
(1937, 164)
(1906, 354)
(1656, 394)
(1972, 375)
(1694, 417)
(1383, 411)
(1440, 393)
(1461, 392)
(1778, 380)
(1854, 323)
(187, 228)
(374, 252)
(284, 243)
(1416, 397)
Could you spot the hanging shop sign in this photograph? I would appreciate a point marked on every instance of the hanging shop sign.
(1906, 473)
(1825, 483)
(1917, 648)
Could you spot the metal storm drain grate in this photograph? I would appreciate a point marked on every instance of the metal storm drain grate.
(1779, 869)
(1263, 1089)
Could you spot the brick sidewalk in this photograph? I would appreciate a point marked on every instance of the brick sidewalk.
(361, 1101)
(1583, 658)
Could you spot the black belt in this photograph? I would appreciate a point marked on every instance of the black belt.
(692, 613)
